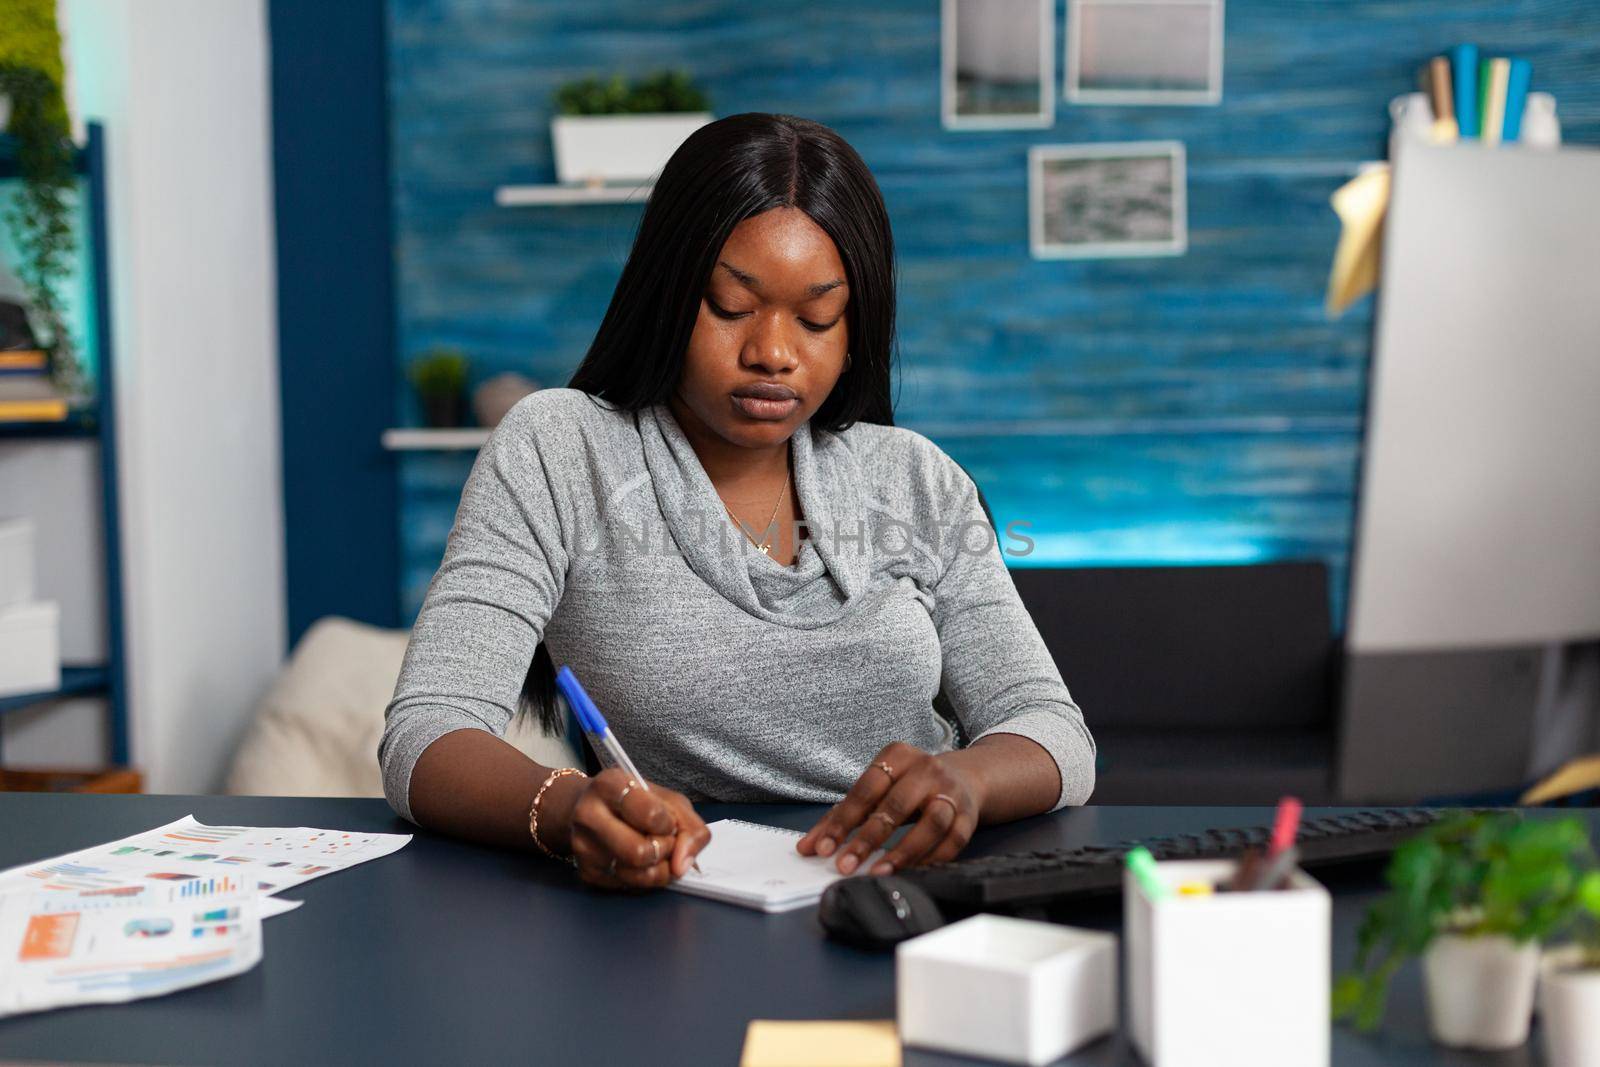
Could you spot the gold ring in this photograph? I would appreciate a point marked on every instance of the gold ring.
(625, 791)
(947, 798)
(888, 820)
(885, 768)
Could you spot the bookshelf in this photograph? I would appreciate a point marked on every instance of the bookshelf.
(107, 679)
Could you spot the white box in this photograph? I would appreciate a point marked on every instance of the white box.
(1230, 979)
(16, 561)
(1006, 989)
(619, 148)
(30, 648)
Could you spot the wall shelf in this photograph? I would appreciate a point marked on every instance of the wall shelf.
(75, 681)
(11, 166)
(559, 195)
(79, 423)
(418, 439)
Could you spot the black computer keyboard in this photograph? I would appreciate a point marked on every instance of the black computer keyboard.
(1024, 879)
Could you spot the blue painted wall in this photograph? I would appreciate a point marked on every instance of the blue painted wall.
(1193, 409)
(330, 138)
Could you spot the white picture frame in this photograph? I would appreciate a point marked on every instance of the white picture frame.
(1144, 52)
(1093, 201)
(995, 52)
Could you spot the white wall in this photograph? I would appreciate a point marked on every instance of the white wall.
(183, 91)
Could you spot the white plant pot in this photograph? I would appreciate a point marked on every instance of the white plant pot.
(1480, 990)
(618, 148)
(1569, 1009)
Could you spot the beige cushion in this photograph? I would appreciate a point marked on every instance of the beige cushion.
(316, 732)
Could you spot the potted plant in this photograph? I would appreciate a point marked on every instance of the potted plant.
(1474, 895)
(1569, 990)
(31, 76)
(439, 376)
(608, 130)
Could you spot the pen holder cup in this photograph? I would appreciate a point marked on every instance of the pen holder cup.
(1006, 989)
(1235, 979)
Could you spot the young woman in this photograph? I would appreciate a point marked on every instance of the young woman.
(771, 592)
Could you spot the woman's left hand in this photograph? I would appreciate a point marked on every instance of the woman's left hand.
(902, 782)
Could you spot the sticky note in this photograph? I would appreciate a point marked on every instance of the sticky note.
(1361, 205)
(829, 1043)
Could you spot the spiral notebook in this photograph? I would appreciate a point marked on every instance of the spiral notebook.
(756, 866)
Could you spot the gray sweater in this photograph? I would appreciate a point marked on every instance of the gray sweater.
(726, 675)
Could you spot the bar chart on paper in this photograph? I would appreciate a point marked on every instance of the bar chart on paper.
(208, 887)
(187, 859)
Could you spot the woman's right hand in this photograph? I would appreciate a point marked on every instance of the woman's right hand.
(627, 837)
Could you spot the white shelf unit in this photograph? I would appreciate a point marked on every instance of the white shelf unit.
(426, 440)
(558, 195)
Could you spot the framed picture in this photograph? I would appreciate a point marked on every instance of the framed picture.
(1097, 201)
(1144, 52)
(997, 63)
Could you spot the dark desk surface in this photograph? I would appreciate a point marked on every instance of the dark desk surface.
(450, 953)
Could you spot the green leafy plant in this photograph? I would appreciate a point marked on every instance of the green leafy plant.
(31, 76)
(667, 91)
(440, 371)
(1584, 931)
(1477, 875)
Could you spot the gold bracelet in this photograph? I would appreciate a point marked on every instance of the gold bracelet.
(533, 812)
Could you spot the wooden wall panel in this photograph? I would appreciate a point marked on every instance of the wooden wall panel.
(1190, 409)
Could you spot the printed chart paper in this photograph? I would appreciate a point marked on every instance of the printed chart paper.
(195, 861)
(61, 947)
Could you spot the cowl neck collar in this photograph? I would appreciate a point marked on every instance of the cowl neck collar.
(826, 576)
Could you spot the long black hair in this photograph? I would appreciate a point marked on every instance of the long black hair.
(725, 172)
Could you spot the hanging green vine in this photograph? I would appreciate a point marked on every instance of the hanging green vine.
(41, 215)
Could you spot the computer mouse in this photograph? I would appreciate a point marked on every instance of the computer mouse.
(877, 912)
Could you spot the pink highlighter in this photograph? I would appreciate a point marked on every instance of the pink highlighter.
(1281, 855)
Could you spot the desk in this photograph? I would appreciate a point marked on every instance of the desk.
(451, 953)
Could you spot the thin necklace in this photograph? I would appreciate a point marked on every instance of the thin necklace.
(764, 546)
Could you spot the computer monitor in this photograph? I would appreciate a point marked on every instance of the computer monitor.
(1477, 546)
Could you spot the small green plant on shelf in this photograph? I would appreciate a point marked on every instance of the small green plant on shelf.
(439, 376)
(1474, 875)
(1584, 933)
(668, 91)
(40, 217)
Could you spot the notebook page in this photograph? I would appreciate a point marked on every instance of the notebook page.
(749, 863)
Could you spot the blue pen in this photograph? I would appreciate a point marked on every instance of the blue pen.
(606, 745)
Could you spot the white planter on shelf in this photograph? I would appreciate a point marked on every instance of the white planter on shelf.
(1480, 990)
(1569, 1009)
(618, 148)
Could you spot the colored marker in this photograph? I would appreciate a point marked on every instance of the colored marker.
(1143, 866)
(1494, 112)
(1281, 852)
(1517, 83)
(1465, 61)
(1436, 83)
(1286, 825)
(1278, 868)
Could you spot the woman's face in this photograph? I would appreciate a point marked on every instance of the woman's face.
(770, 339)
